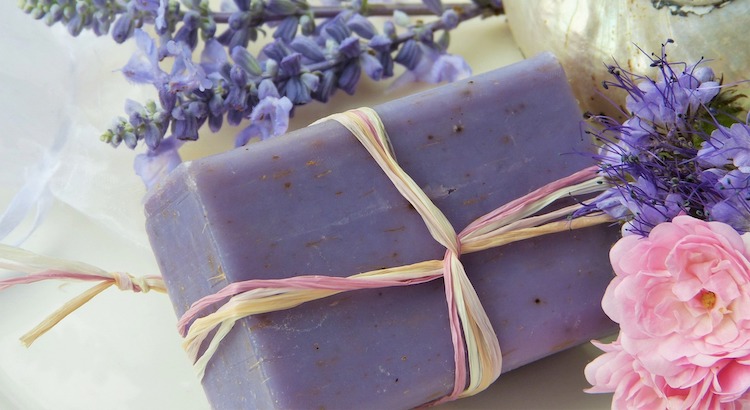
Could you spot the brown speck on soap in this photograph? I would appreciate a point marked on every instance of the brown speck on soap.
(281, 174)
(458, 128)
(287, 185)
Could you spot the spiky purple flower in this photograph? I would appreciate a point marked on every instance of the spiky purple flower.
(664, 160)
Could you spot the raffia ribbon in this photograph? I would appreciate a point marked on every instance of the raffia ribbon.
(471, 330)
(38, 268)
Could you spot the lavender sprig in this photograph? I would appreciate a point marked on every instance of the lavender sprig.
(676, 153)
(315, 51)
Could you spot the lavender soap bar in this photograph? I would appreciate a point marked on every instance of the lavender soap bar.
(314, 202)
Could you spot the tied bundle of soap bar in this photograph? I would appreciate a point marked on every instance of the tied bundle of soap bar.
(314, 202)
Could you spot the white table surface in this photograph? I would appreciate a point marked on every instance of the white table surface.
(121, 351)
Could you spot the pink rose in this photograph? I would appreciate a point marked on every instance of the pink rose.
(682, 299)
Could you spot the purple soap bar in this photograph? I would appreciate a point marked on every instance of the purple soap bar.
(314, 202)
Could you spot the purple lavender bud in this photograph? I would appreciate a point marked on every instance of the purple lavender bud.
(209, 27)
(215, 122)
(82, 8)
(280, 7)
(240, 38)
(188, 33)
(75, 25)
(449, 19)
(435, 6)
(380, 43)
(311, 81)
(152, 135)
(238, 76)
(291, 65)
(146, 5)
(247, 61)
(307, 25)
(386, 60)
(216, 105)
(234, 117)
(178, 113)
(270, 68)
(336, 30)
(123, 28)
(349, 77)
(389, 29)
(130, 140)
(236, 101)
(349, 48)
(135, 111)
(409, 54)
(186, 129)
(308, 48)
(239, 20)
(68, 12)
(326, 87)
(287, 29)
(296, 91)
(276, 50)
(191, 20)
(242, 4)
(372, 66)
(167, 99)
(267, 89)
(361, 25)
(100, 4)
(197, 109)
(101, 25)
(54, 14)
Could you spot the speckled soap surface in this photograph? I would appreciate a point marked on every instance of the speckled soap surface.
(314, 202)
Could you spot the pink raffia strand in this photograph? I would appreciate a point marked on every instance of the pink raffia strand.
(38, 268)
(471, 331)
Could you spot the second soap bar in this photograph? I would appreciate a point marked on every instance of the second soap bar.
(314, 202)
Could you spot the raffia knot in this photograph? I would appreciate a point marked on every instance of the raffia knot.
(127, 282)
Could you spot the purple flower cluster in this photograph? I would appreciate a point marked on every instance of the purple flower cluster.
(675, 154)
(307, 59)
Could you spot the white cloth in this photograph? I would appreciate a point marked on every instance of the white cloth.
(51, 121)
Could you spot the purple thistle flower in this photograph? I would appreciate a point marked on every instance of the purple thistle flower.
(662, 161)
(728, 146)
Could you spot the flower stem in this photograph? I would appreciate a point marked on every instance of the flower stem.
(382, 10)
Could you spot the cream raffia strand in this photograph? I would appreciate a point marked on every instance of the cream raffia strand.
(471, 330)
(38, 268)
